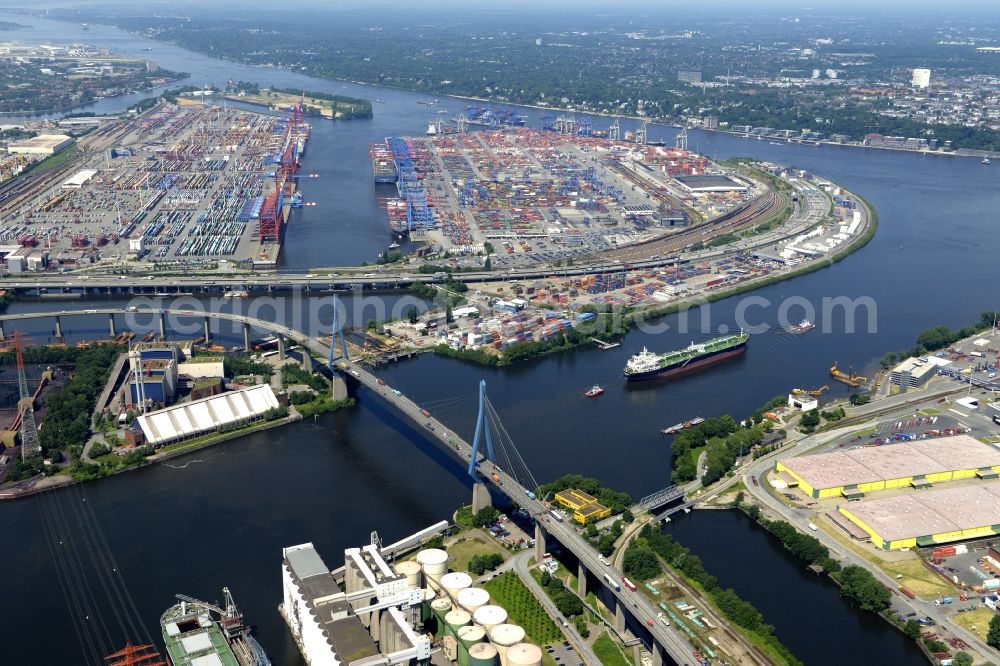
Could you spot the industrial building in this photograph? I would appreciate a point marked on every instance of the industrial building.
(43, 144)
(921, 78)
(710, 183)
(190, 419)
(585, 507)
(913, 373)
(394, 614)
(929, 518)
(153, 373)
(77, 180)
(853, 472)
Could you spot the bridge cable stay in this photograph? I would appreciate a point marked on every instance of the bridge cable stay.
(515, 464)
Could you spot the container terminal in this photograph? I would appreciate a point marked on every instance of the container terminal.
(179, 186)
(527, 190)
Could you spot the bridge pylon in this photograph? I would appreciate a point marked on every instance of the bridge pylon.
(482, 433)
(335, 328)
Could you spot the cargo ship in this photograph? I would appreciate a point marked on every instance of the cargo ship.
(196, 632)
(383, 165)
(647, 364)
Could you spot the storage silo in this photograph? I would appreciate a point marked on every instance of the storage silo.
(483, 654)
(489, 616)
(440, 607)
(434, 564)
(473, 598)
(412, 571)
(467, 637)
(524, 654)
(454, 582)
(455, 620)
(425, 607)
(504, 636)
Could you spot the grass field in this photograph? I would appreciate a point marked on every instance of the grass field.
(523, 609)
(55, 161)
(609, 653)
(468, 546)
(917, 577)
(979, 618)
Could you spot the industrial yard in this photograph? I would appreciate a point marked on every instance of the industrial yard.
(538, 196)
(180, 186)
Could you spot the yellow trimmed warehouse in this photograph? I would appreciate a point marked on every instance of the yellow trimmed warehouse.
(584, 506)
(852, 473)
(929, 518)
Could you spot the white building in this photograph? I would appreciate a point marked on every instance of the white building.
(43, 144)
(921, 78)
(197, 417)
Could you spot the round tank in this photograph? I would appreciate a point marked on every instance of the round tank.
(483, 654)
(425, 608)
(503, 636)
(455, 620)
(524, 654)
(440, 608)
(433, 562)
(411, 570)
(473, 598)
(489, 617)
(471, 635)
(454, 582)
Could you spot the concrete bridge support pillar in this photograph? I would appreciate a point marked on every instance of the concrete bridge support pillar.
(480, 497)
(619, 617)
(339, 387)
(281, 347)
(637, 653)
(58, 328)
(163, 326)
(208, 329)
(581, 581)
(111, 326)
(658, 654)
(307, 359)
(539, 544)
(246, 337)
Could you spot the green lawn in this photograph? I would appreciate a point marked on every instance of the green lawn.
(523, 608)
(468, 546)
(57, 160)
(608, 651)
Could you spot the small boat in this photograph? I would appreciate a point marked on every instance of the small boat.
(803, 326)
(594, 391)
(677, 427)
(393, 246)
(986, 160)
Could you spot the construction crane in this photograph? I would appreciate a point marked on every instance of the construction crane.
(813, 392)
(28, 429)
(231, 618)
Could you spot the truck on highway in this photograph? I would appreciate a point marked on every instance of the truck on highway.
(813, 527)
(425, 412)
(495, 477)
(556, 516)
(612, 582)
(629, 584)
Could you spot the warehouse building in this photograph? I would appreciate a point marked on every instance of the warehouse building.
(709, 183)
(198, 417)
(929, 518)
(914, 373)
(43, 144)
(584, 506)
(919, 464)
(153, 373)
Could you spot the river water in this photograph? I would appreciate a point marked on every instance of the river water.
(221, 516)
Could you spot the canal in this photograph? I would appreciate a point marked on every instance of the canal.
(220, 516)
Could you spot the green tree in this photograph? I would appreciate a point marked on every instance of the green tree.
(912, 629)
(546, 578)
(993, 637)
(488, 264)
(962, 659)
(640, 562)
(858, 585)
(411, 314)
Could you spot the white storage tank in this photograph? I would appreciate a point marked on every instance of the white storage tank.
(440, 608)
(473, 598)
(425, 607)
(455, 620)
(434, 563)
(454, 582)
(524, 654)
(505, 636)
(483, 654)
(411, 570)
(489, 617)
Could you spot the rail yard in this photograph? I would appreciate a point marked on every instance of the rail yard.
(178, 186)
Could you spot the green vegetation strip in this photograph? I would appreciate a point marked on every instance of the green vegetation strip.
(523, 608)
(609, 653)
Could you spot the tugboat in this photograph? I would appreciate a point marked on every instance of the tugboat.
(594, 391)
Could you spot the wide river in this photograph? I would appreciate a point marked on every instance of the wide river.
(220, 517)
